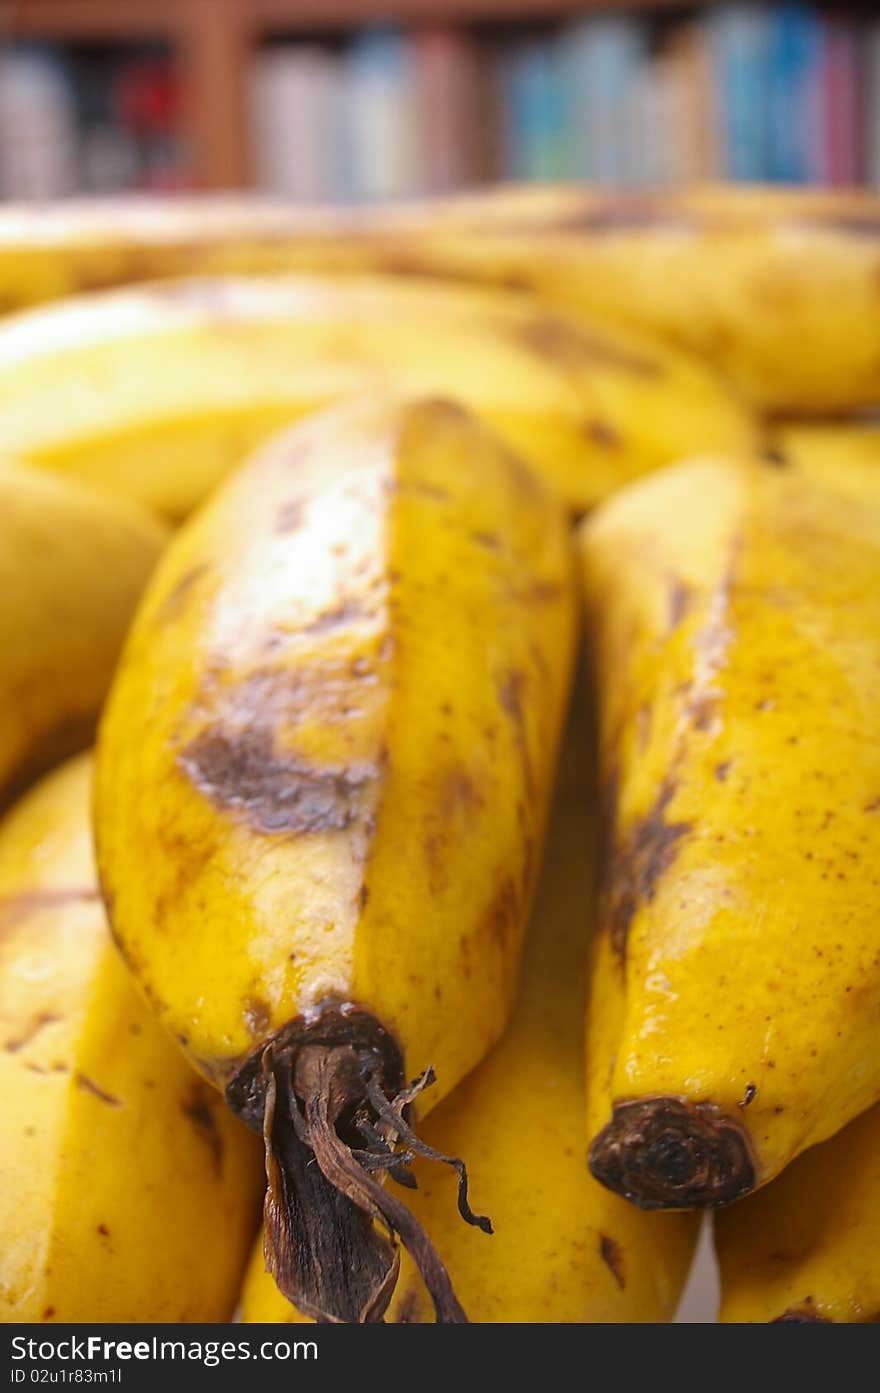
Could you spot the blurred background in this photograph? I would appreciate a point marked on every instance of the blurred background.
(343, 100)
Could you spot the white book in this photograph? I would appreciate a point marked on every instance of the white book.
(39, 145)
(295, 97)
(657, 130)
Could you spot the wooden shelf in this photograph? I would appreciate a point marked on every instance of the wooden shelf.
(213, 39)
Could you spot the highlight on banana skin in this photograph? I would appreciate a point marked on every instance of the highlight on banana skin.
(440, 759)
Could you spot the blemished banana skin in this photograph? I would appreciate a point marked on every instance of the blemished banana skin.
(735, 614)
(158, 391)
(805, 1248)
(348, 680)
(73, 562)
(775, 286)
(827, 448)
(128, 1191)
(563, 1248)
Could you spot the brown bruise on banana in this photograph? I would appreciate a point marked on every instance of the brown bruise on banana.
(638, 859)
(199, 1107)
(575, 349)
(669, 1153)
(611, 1254)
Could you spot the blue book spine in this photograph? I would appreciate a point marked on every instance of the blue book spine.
(795, 78)
(536, 134)
(739, 45)
(603, 58)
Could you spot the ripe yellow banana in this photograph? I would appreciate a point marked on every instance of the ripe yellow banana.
(156, 391)
(72, 565)
(347, 681)
(736, 980)
(827, 448)
(774, 286)
(564, 1248)
(805, 1248)
(128, 1193)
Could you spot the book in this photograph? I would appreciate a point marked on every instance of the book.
(535, 131)
(295, 95)
(738, 36)
(447, 80)
(870, 170)
(39, 148)
(841, 101)
(795, 56)
(687, 59)
(604, 57)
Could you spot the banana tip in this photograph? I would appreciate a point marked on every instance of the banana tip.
(665, 1153)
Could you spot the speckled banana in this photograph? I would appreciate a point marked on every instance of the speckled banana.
(564, 1248)
(775, 286)
(736, 978)
(805, 1248)
(157, 391)
(347, 681)
(827, 448)
(72, 566)
(127, 1192)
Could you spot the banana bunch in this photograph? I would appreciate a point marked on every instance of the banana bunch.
(330, 709)
(774, 286)
(158, 391)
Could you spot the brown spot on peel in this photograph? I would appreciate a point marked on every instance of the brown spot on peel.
(198, 1108)
(175, 600)
(242, 771)
(665, 1153)
(89, 1086)
(611, 1254)
(637, 863)
(576, 349)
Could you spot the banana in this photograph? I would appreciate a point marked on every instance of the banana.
(564, 1248)
(774, 286)
(805, 1248)
(827, 448)
(348, 680)
(736, 982)
(72, 565)
(157, 391)
(129, 1193)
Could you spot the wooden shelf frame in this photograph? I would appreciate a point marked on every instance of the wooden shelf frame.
(213, 41)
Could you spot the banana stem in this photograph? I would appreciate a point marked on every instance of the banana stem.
(329, 1125)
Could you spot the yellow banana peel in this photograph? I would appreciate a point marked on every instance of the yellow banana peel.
(348, 679)
(128, 1192)
(805, 1248)
(735, 613)
(157, 391)
(72, 565)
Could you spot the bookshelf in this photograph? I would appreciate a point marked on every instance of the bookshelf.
(213, 39)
